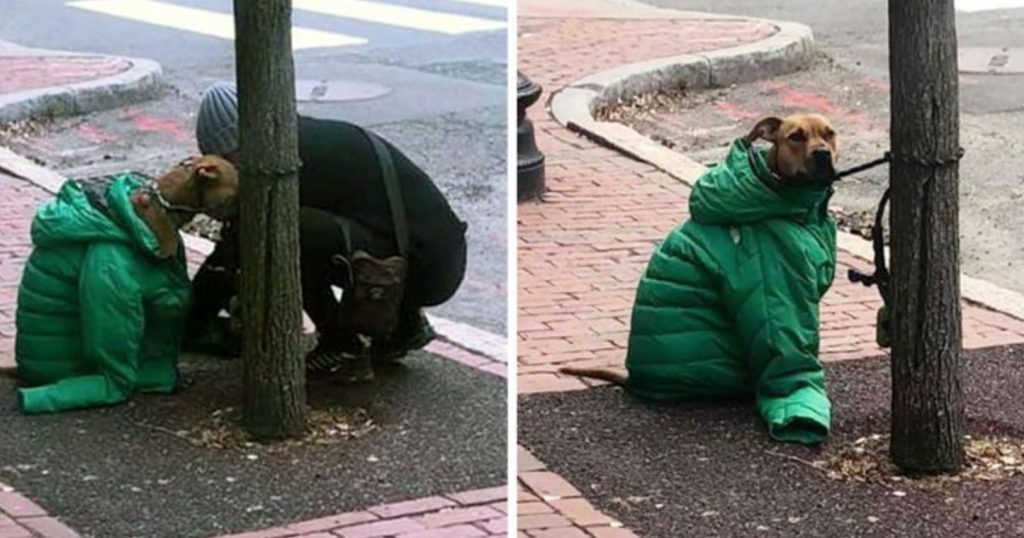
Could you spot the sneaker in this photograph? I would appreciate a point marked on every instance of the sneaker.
(354, 369)
(346, 365)
(408, 338)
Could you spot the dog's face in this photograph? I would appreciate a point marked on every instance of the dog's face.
(804, 146)
(207, 182)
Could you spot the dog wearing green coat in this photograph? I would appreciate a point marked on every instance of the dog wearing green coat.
(729, 303)
(105, 292)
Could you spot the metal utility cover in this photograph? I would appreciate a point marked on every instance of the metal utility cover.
(992, 60)
(335, 91)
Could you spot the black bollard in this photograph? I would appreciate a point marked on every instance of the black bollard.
(530, 170)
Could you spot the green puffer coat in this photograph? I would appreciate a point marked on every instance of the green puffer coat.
(100, 314)
(728, 305)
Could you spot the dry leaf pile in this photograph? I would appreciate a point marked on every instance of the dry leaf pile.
(223, 430)
(20, 130)
(866, 460)
(644, 105)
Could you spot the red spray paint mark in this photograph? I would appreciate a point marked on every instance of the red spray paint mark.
(94, 134)
(876, 84)
(813, 102)
(157, 124)
(735, 112)
(792, 98)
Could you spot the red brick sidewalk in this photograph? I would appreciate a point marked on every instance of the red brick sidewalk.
(480, 513)
(582, 251)
(550, 507)
(469, 514)
(22, 518)
(34, 72)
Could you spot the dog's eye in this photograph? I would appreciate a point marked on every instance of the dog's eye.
(797, 136)
(829, 135)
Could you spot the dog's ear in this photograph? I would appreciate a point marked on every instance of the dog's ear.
(206, 170)
(766, 129)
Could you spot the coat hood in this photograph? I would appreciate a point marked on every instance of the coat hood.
(72, 218)
(743, 190)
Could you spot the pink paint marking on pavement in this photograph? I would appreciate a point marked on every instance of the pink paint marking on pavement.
(161, 124)
(810, 101)
(95, 134)
(735, 112)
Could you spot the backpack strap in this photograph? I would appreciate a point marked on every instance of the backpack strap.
(390, 177)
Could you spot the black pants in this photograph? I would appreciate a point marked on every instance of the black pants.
(433, 278)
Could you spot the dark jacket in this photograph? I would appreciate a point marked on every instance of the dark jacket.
(340, 174)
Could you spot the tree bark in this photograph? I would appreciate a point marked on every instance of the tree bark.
(275, 382)
(927, 391)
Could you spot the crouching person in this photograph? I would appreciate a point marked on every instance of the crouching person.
(105, 292)
(371, 222)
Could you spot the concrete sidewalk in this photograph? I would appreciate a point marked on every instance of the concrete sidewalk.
(582, 251)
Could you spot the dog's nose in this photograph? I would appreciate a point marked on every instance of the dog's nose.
(821, 155)
(822, 167)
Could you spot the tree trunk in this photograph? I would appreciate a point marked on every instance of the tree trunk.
(927, 391)
(275, 382)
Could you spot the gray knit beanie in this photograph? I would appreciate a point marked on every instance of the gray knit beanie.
(217, 124)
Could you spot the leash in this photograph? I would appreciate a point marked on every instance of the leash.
(881, 278)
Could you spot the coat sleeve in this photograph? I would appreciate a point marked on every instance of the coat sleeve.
(112, 318)
(775, 308)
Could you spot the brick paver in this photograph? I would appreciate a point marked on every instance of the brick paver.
(548, 506)
(582, 251)
(480, 513)
(556, 51)
(22, 518)
(32, 72)
(469, 514)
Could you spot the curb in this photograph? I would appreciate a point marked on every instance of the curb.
(784, 52)
(466, 337)
(787, 50)
(140, 82)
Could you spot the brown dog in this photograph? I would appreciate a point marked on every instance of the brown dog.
(804, 146)
(203, 184)
(803, 149)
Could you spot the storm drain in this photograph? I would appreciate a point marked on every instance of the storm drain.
(991, 60)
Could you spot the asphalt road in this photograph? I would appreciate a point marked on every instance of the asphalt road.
(850, 84)
(441, 74)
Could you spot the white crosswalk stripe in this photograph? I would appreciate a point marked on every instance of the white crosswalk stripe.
(221, 24)
(394, 15)
(204, 22)
(987, 5)
(489, 3)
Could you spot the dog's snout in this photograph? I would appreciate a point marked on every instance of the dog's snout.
(822, 158)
